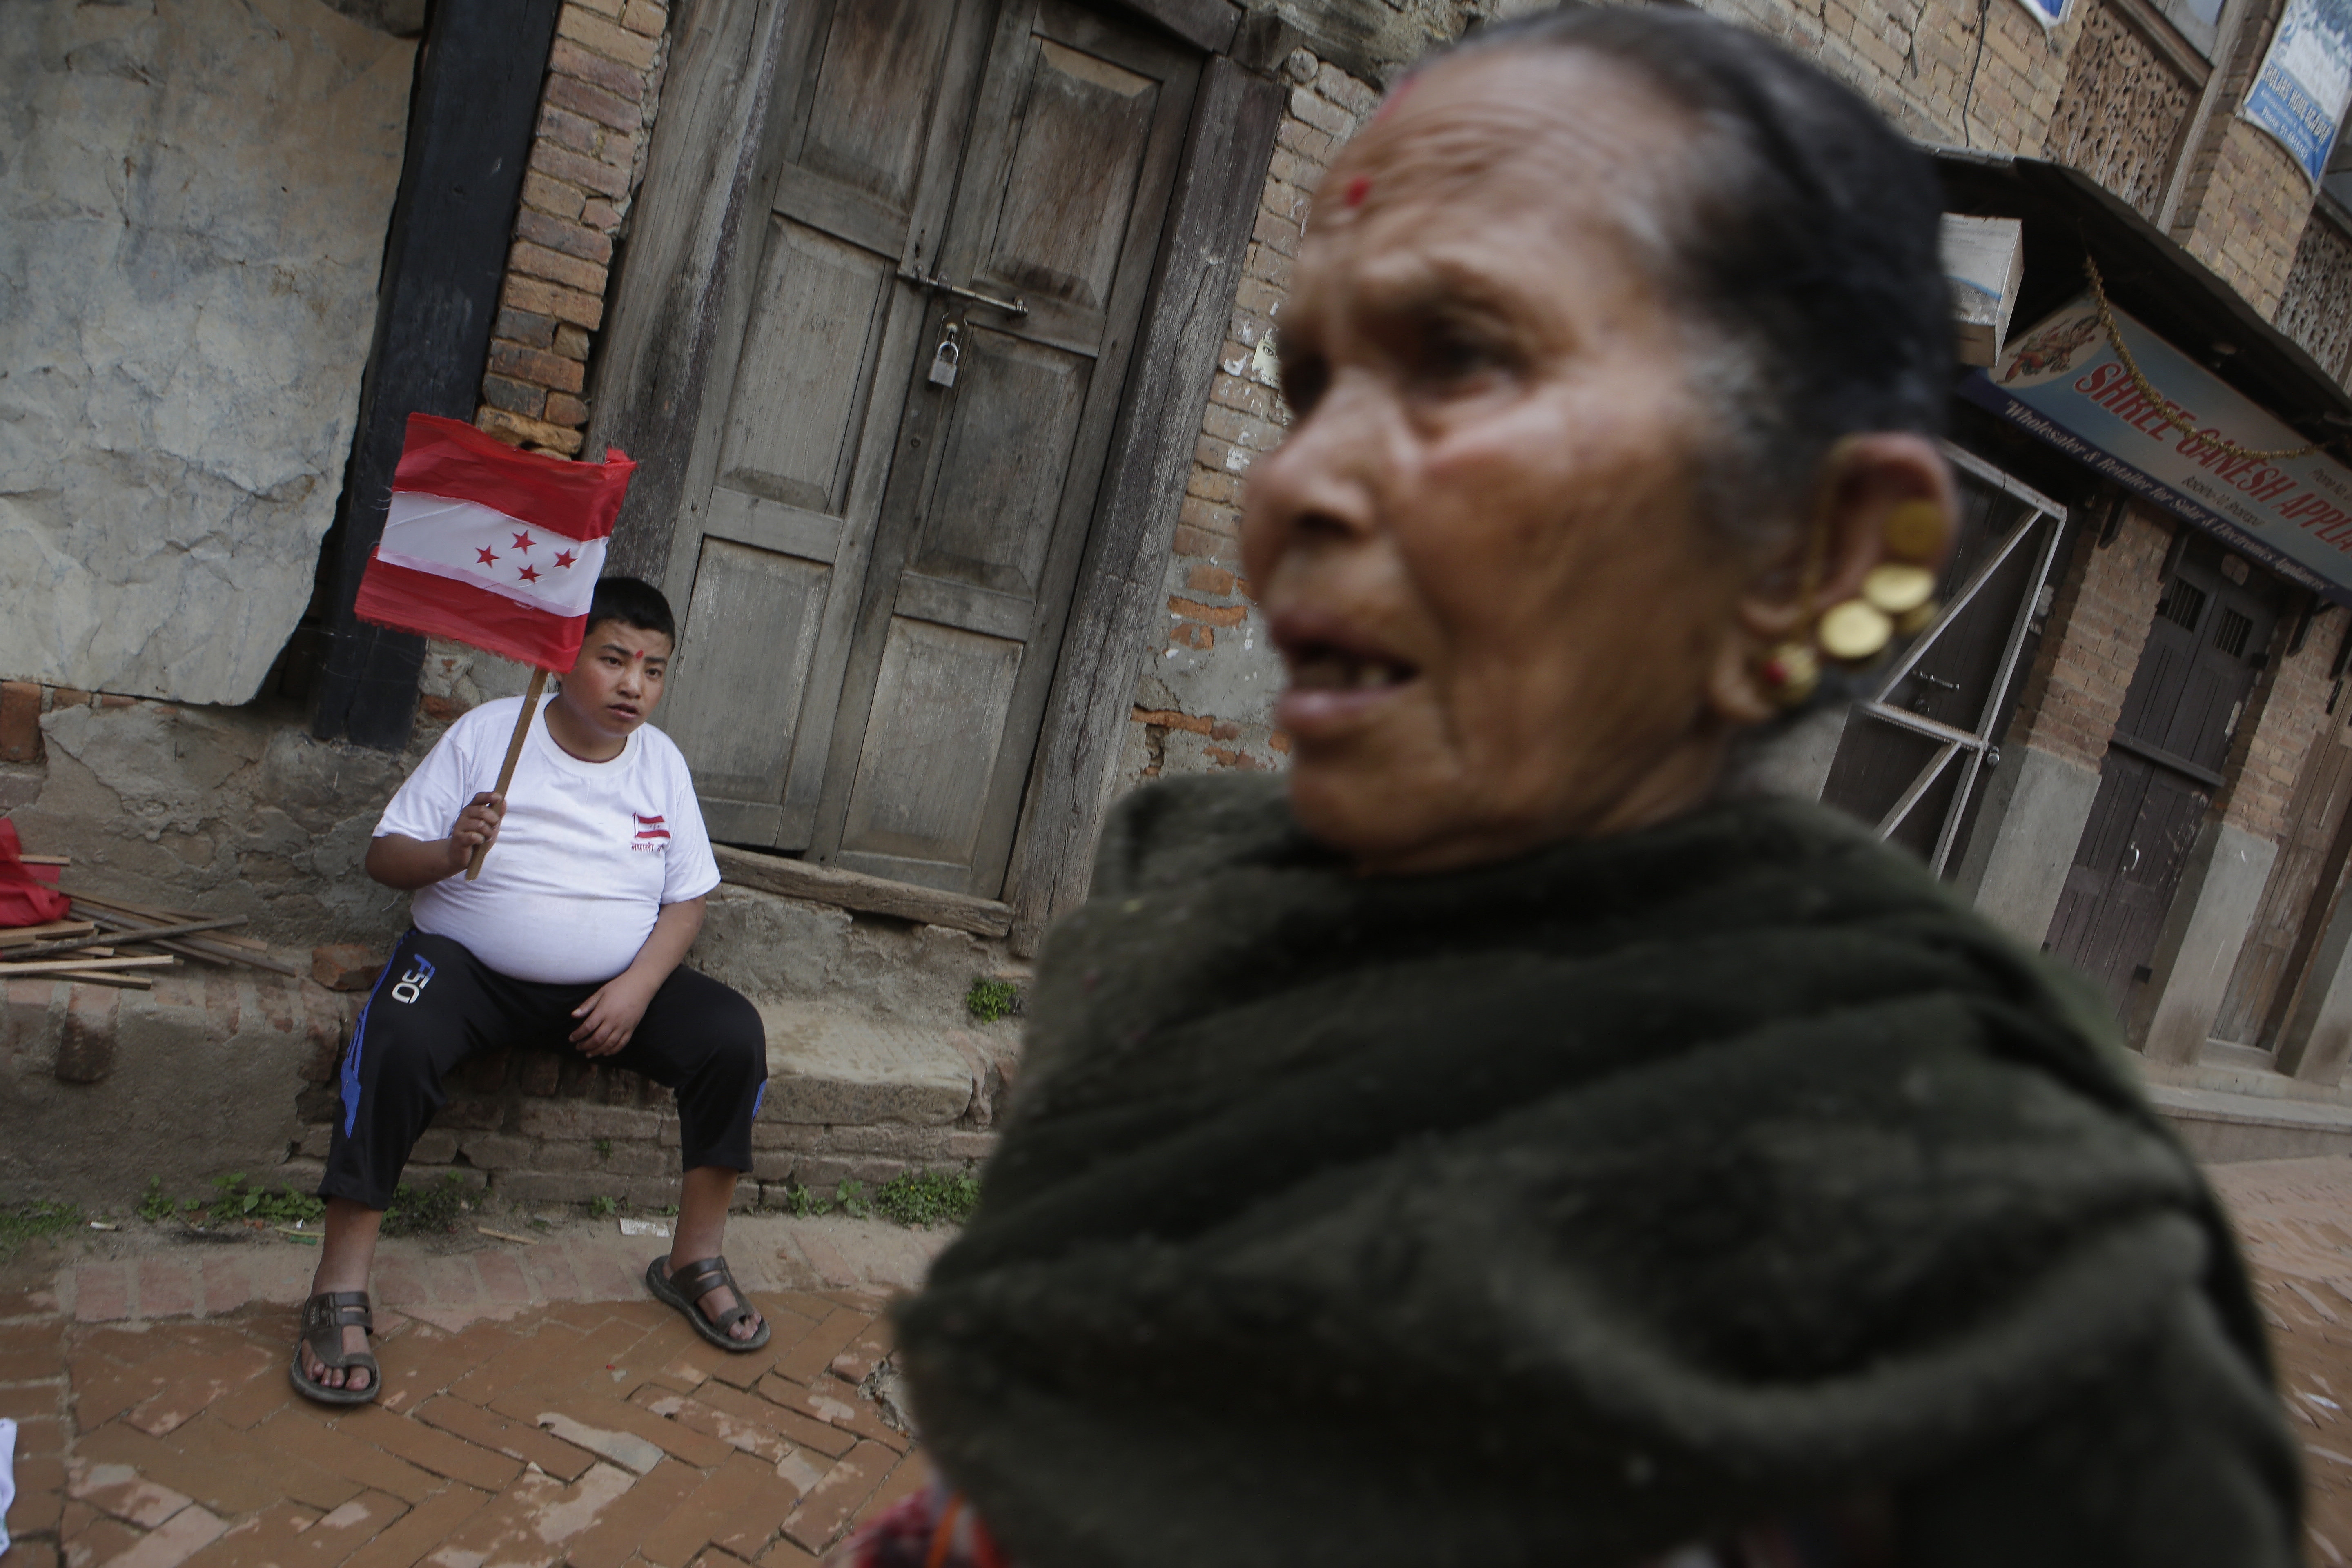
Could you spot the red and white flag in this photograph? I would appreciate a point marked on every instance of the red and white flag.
(494, 547)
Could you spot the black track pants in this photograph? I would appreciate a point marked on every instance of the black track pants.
(435, 1004)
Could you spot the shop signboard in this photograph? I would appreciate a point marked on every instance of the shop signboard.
(2306, 81)
(2064, 381)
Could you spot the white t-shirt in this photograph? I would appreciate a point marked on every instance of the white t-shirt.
(587, 855)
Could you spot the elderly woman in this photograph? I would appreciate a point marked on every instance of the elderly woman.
(1495, 1144)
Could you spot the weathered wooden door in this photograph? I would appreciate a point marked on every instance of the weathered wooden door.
(883, 564)
(2209, 638)
(2298, 896)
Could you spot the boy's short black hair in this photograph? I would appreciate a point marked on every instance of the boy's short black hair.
(633, 601)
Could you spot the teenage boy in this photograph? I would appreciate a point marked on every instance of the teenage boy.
(590, 896)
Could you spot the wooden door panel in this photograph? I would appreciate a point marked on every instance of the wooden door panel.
(2205, 646)
(1085, 130)
(867, 109)
(2158, 685)
(1004, 458)
(939, 719)
(773, 525)
(950, 604)
(2200, 726)
(1061, 200)
(2126, 867)
(792, 422)
(2080, 933)
(750, 630)
(874, 102)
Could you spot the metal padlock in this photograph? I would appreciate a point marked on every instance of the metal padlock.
(945, 361)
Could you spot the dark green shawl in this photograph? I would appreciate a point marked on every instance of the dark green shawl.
(1563, 1211)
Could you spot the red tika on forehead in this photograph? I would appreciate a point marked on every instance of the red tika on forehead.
(1358, 189)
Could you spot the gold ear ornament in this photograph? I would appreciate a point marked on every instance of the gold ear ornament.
(1897, 598)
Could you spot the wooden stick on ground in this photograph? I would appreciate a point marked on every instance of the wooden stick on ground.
(128, 937)
(87, 965)
(195, 947)
(148, 915)
(48, 931)
(213, 949)
(514, 755)
(87, 977)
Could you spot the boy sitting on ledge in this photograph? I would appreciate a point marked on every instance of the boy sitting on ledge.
(572, 937)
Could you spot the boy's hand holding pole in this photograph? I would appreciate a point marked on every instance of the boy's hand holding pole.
(477, 826)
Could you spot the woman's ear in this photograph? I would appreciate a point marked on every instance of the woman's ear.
(1863, 482)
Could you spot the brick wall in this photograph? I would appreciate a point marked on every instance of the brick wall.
(2252, 219)
(1985, 77)
(2073, 694)
(1205, 699)
(2284, 713)
(2243, 200)
(22, 703)
(603, 84)
(536, 1126)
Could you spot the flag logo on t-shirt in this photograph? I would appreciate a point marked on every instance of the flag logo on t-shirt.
(649, 826)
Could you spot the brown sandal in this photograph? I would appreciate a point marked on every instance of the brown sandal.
(684, 1288)
(324, 1318)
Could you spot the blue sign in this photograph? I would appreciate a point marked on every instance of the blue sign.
(2306, 81)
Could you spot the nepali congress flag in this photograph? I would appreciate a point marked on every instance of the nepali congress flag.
(494, 547)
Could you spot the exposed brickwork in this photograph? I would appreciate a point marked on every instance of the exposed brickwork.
(22, 703)
(2248, 227)
(550, 1127)
(2106, 598)
(1209, 611)
(1985, 77)
(2286, 712)
(596, 113)
(2243, 202)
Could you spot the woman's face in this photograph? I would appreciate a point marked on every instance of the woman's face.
(1478, 549)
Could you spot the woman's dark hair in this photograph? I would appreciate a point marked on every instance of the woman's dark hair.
(1804, 233)
(634, 603)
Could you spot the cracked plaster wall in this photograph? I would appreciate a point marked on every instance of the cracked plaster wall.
(193, 199)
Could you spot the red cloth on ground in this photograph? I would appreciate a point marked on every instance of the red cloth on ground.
(24, 898)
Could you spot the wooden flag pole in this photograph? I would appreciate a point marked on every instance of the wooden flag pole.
(514, 755)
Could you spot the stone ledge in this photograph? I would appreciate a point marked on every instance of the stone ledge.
(832, 1067)
(2222, 1127)
(217, 1070)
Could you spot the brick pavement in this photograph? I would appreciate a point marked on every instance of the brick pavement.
(2295, 1219)
(537, 1408)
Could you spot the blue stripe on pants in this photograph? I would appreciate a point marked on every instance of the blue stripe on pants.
(359, 1034)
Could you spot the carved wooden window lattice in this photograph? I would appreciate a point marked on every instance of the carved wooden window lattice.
(2121, 113)
(2316, 309)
